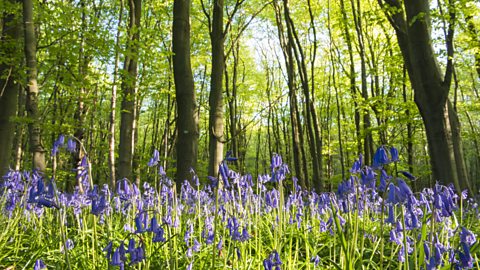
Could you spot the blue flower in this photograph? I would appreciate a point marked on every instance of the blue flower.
(71, 145)
(273, 261)
(57, 144)
(315, 260)
(467, 237)
(394, 154)
(380, 158)
(229, 157)
(466, 259)
(154, 160)
(39, 264)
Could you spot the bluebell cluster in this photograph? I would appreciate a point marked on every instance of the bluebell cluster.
(230, 199)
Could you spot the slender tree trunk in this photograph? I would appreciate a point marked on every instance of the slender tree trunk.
(9, 88)
(294, 121)
(352, 76)
(113, 103)
(187, 123)
(126, 147)
(34, 129)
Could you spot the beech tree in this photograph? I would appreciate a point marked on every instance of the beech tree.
(412, 24)
(129, 92)
(34, 128)
(9, 86)
(187, 123)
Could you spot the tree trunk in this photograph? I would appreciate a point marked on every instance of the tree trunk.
(9, 88)
(215, 124)
(113, 103)
(35, 141)
(126, 147)
(431, 89)
(187, 123)
(352, 76)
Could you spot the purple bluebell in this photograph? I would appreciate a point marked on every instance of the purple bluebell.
(408, 175)
(467, 237)
(196, 245)
(224, 172)
(71, 145)
(68, 245)
(273, 261)
(380, 158)
(159, 235)
(116, 258)
(141, 222)
(39, 264)
(466, 259)
(108, 249)
(154, 160)
(316, 260)
(384, 177)
(57, 144)
(391, 215)
(229, 156)
(393, 154)
(220, 244)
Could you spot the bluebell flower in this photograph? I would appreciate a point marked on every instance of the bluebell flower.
(466, 259)
(39, 264)
(383, 180)
(116, 258)
(229, 157)
(159, 235)
(273, 261)
(99, 205)
(394, 154)
(380, 158)
(467, 237)
(404, 190)
(356, 167)
(131, 245)
(316, 260)
(196, 245)
(391, 215)
(408, 175)
(224, 171)
(141, 221)
(276, 161)
(154, 160)
(71, 145)
(392, 194)
(68, 245)
(220, 244)
(57, 144)
(108, 249)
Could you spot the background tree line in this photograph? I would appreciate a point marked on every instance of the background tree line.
(318, 82)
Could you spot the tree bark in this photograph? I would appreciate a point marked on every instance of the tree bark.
(113, 103)
(215, 124)
(187, 123)
(9, 88)
(34, 127)
(126, 145)
(431, 89)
